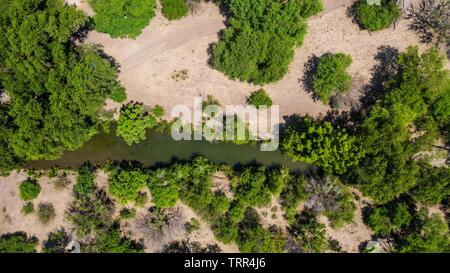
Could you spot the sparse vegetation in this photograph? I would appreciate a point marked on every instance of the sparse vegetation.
(46, 212)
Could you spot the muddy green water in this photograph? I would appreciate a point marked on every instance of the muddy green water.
(160, 148)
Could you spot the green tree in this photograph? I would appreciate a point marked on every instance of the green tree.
(134, 122)
(174, 9)
(125, 184)
(29, 189)
(317, 142)
(375, 17)
(56, 242)
(165, 187)
(431, 236)
(18, 242)
(331, 76)
(308, 233)
(56, 88)
(387, 220)
(85, 184)
(433, 185)
(259, 43)
(122, 18)
(112, 241)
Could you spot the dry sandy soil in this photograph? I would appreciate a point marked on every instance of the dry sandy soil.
(148, 62)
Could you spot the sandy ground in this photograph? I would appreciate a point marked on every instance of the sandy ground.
(351, 236)
(11, 217)
(148, 62)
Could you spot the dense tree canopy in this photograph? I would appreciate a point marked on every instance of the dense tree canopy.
(405, 121)
(134, 122)
(174, 9)
(56, 88)
(122, 18)
(319, 143)
(259, 43)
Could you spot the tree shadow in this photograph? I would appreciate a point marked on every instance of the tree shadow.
(382, 73)
(310, 70)
(114, 63)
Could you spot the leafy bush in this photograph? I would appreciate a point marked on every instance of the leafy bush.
(261, 240)
(29, 189)
(387, 220)
(85, 184)
(46, 212)
(57, 242)
(134, 122)
(331, 75)
(192, 226)
(122, 18)
(251, 188)
(28, 208)
(91, 213)
(259, 43)
(343, 212)
(111, 241)
(308, 233)
(118, 95)
(165, 187)
(433, 185)
(376, 17)
(125, 185)
(174, 9)
(141, 199)
(18, 242)
(259, 98)
(277, 180)
(293, 193)
(317, 142)
(430, 236)
(185, 246)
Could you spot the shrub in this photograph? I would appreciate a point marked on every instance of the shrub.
(433, 185)
(122, 18)
(61, 182)
(252, 187)
(293, 193)
(164, 187)
(259, 43)
(192, 226)
(125, 185)
(389, 219)
(28, 208)
(431, 235)
(111, 241)
(134, 122)
(308, 233)
(184, 246)
(259, 98)
(91, 213)
(429, 21)
(29, 189)
(331, 75)
(141, 199)
(127, 213)
(57, 242)
(85, 184)
(118, 95)
(46, 212)
(261, 240)
(376, 17)
(174, 9)
(18, 242)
